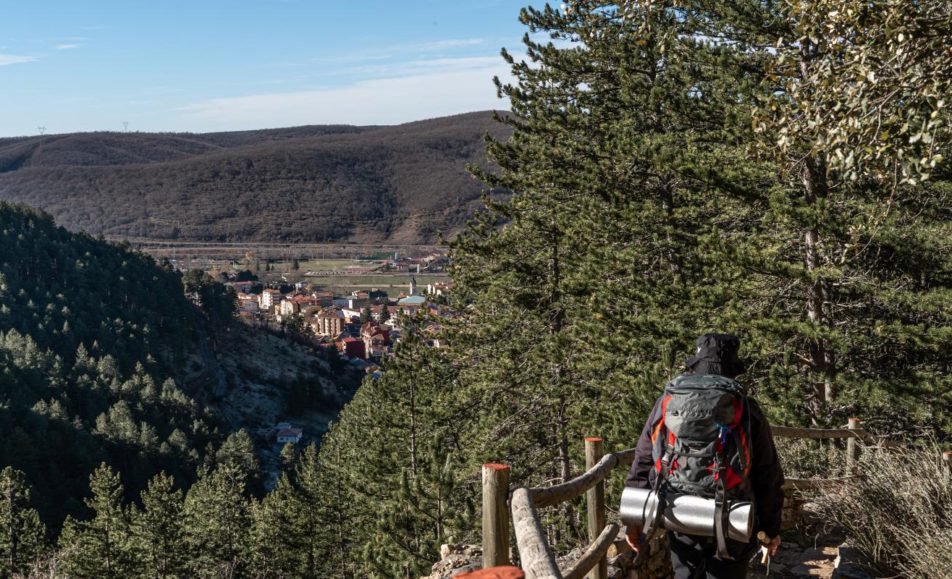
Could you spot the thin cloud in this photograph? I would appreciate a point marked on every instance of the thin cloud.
(6, 59)
(430, 65)
(66, 46)
(443, 91)
(401, 50)
(451, 43)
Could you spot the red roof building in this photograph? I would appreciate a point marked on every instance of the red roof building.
(352, 347)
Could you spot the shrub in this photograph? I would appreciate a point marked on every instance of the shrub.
(897, 513)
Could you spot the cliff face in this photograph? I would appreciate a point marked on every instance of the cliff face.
(397, 184)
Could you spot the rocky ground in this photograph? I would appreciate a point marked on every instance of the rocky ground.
(250, 375)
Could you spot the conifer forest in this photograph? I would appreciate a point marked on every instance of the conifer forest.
(773, 169)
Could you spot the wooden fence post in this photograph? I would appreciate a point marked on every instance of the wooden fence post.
(495, 515)
(595, 499)
(852, 447)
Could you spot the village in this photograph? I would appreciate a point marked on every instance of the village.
(362, 325)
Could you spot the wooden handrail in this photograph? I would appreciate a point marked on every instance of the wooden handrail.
(818, 433)
(548, 496)
(538, 560)
(553, 495)
(594, 553)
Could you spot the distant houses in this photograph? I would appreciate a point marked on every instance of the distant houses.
(340, 322)
(285, 433)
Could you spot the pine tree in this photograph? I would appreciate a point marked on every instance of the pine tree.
(158, 529)
(590, 286)
(102, 546)
(275, 539)
(217, 522)
(238, 452)
(22, 535)
(386, 528)
(327, 510)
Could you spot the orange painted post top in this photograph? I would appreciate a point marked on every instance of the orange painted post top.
(494, 573)
(594, 439)
(496, 466)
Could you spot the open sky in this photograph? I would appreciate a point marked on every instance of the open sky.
(212, 65)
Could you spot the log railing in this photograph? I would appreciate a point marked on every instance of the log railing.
(538, 561)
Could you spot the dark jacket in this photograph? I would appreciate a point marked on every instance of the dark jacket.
(766, 475)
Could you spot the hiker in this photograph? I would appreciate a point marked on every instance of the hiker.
(750, 469)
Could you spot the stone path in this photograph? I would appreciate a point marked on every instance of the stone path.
(795, 561)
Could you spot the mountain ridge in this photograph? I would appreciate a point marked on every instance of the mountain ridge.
(325, 183)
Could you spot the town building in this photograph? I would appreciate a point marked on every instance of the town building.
(289, 434)
(409, 305)
(268, 299)
(352, 347)
(288, 308)
(328, 322)
(376, 340)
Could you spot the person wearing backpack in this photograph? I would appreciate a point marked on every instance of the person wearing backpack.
(706, 438)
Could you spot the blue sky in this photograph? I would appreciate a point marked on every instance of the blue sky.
(211, 65)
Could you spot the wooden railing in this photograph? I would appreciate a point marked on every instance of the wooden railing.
(537, 559)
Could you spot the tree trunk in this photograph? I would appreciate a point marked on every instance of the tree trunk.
(815, 187)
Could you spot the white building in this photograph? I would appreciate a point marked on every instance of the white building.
(268, 299)
(286, 435)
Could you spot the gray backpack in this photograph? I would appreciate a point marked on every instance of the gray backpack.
(700, 444)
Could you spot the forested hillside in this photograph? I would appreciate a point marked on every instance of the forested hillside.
(400, 184)
(105, 359)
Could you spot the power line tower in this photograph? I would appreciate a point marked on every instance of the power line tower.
(41, 129)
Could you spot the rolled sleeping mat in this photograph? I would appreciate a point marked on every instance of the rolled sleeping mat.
(685, 514)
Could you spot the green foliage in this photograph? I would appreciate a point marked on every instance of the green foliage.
(216, 301)
(22, 535)
(275, 533)
(394, 527)
(663, 180)
(100, 547)
(217, 521)
(158, 529)
(93, 338)
(366, 315)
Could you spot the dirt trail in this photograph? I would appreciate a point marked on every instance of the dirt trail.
(796, 561)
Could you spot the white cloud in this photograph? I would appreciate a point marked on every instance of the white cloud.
(418, 91)
(66, 46)
(6, 59)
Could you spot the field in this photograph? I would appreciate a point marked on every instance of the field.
(342, 268)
